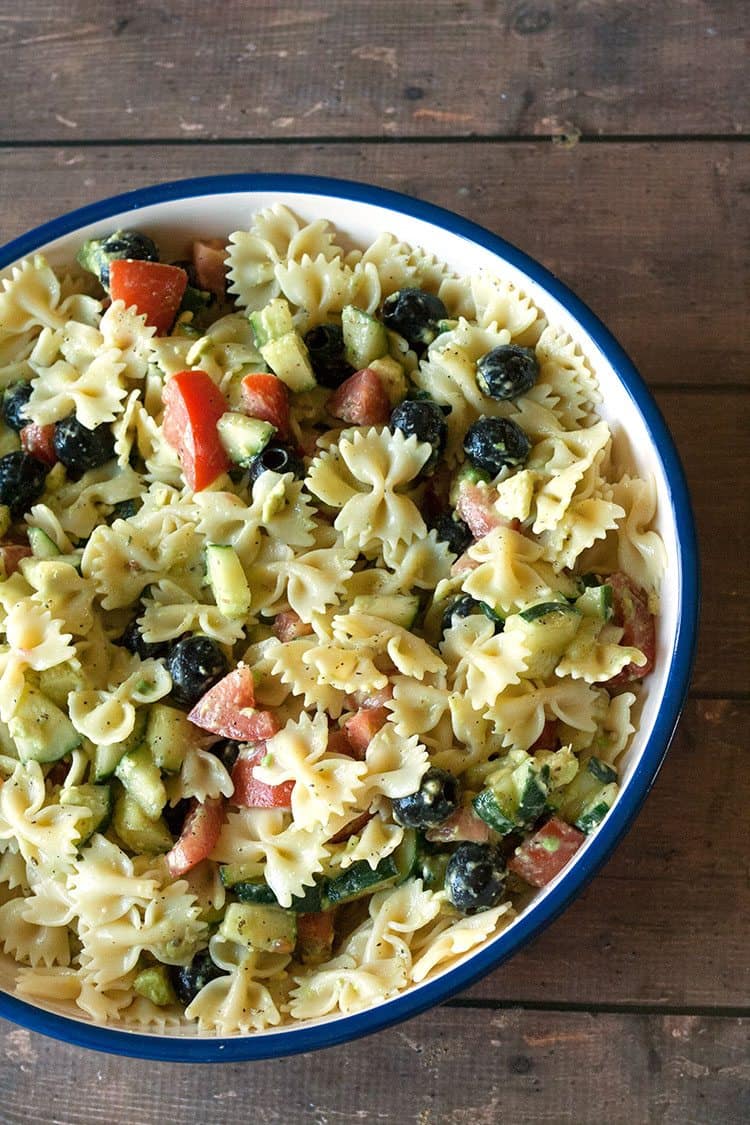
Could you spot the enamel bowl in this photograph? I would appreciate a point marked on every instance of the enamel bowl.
(174, 213)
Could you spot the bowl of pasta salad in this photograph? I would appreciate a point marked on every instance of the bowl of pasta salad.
(348, 597)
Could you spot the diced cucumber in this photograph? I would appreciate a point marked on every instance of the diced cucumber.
(156, 985)
(431, 867)
(596, 601)
(515, 794)
(243, 438)
(107, 758)
(41, 731)
(405, 856)
(137, 832)
(401, 609)
(271, 322)
(233, 873)
(361, 879)
(169, 736)
(42, 547)
(365, 338)
(602, 771)
(58, 682)
(391, 375)
(547, 631)
(141, 777)
(594, 812)
(446, 326)
(228, 582)
(289, 358)
(260, 927)
(255, 892)
(96, 798)
(578, 799)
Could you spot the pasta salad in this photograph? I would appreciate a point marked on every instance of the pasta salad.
(324, 604)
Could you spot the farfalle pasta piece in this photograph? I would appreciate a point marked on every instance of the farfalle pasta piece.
(316, 579)
(202, 775)
(289, 662)
(484, 663)
(640, 551)
(43, 832)
(324, 784)
(318, 287)
(170, 611)
(362, 478)
(395, 765)
(457, 939)
(108, 716)
(32, 298)
(511, 573)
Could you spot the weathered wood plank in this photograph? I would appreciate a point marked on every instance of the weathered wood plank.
(711, 435)
(663, 922)
(446, 1068)
(647, 234)
(308, 69)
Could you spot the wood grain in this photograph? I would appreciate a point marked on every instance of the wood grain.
(449, 1067)
(649, 235)
(309, 69)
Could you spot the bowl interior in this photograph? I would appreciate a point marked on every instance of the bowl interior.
(642, 447)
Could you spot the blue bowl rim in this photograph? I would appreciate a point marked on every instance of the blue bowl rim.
(156, 1047)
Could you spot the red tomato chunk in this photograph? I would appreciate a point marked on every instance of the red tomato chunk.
(544, 854)
(209, 255)
(155, 289)
(193, 405)
(463, 824)
(200, 832)
(228, 709)
(361, 400)
(631, 613)
(254, 794)
(362, 728)
(265, 397)
(289, 625)
(39, 441)
(11, 555)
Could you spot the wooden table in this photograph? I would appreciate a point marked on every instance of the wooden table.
(606, 139)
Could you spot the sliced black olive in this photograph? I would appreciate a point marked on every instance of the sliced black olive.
(436, 799)
(188, 980)
(475, 877)
(79, 448)
(280, 458)
(507, 371)
(424, 419)
(195, 664)
(15, 400)
(22, 480)
(491, 444)
(414, 314)
(325, 343)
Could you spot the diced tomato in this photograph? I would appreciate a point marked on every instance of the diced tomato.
(463, 564)
(548, 739)
(475, 506)
(544, 854)
(39, 442)
(315, 934)
(200, 832)
(155, 289)
(193, 406)
(266, 397)
(228, 709)
(289, 625)
(338, 743)
(376, 699)
(631, 613)
(254, 794)
(362, 727)
(463, 824)
(11, 555)
(209, 255)
(361, 400)
(352, 828)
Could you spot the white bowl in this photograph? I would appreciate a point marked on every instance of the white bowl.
(173, 214)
